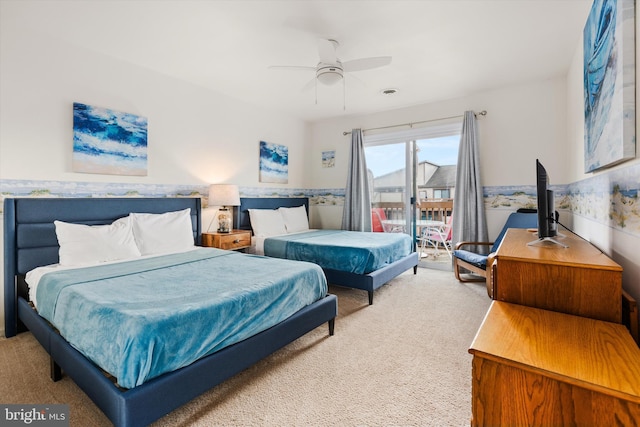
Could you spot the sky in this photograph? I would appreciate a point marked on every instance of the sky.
(383, 159)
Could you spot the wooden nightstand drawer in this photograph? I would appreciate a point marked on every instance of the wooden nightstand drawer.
(237, 239)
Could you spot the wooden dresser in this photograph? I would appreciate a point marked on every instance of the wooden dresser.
(538, 367)
(579, 279)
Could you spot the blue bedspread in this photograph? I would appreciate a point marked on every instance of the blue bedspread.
(139, 319)
(351, 251)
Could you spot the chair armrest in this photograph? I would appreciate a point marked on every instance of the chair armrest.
(460, 244)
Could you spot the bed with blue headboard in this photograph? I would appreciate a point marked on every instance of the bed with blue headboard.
(368, 281)
(30, 241)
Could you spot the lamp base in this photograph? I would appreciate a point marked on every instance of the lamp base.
(224, 221)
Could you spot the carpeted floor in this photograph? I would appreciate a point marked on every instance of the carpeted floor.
(401, 362)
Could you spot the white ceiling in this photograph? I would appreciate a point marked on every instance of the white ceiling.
(440, 49)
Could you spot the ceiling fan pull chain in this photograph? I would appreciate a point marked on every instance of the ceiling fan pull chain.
(344, 95)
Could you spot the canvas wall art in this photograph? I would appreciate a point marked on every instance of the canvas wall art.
(108, 142)
(274, 163)
(609, 84)
(328, 159)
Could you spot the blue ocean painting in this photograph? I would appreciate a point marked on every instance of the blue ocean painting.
(609, 84)
(108, 142)
(274, 163)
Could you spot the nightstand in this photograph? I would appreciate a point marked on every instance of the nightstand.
(236, 239)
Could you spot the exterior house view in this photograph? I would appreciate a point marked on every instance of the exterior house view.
(187, 241)
(434, 182)
(439, 181)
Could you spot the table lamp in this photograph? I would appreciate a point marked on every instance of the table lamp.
(224, 195)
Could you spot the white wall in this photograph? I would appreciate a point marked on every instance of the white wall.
(522, 123)
(194, 135)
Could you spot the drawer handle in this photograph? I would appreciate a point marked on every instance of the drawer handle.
(236, 241)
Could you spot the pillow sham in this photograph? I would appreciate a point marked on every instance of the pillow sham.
(163, 233)
(91, 244)
(295, 219)
(267, 222)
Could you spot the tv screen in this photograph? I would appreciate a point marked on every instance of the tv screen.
(547, 221)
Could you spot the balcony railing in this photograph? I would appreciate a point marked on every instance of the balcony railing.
(392, 210)
(437, 210)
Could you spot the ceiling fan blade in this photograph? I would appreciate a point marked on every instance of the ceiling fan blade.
(293, 67)
(310, 84)
(366, 63)
(327, 51)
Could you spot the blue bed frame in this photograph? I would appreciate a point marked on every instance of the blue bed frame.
(30, 241)
(368, 282)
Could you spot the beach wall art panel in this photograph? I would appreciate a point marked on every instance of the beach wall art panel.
(108, 142)
(609, 84)
(328, 159)
(274, 163)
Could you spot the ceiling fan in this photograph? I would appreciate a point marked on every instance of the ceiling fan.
(331, 70)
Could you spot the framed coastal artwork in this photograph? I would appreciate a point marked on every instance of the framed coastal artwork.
(108, 142)
(274, 163)
(328, 159)
(609, 84)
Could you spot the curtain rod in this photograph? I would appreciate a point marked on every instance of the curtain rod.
(481, 113)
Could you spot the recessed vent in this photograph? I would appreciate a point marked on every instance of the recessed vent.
(389, 92)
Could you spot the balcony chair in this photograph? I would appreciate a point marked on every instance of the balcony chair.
(378, 218)
(436, 237)
(476, 264)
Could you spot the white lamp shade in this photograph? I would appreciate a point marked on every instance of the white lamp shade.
(224, 195)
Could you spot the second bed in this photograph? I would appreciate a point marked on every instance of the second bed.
(352, 259)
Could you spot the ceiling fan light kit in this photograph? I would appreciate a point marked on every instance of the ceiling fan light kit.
(329, 74)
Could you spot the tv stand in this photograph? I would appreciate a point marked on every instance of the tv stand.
(579, 280)
(548, 239)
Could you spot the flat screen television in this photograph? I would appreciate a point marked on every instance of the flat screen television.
(547, 215)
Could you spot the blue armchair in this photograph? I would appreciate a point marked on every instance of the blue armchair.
(476, 264)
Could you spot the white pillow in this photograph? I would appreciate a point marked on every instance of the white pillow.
(267, 222)
(91, 244)
(295, 219)
(163, 233)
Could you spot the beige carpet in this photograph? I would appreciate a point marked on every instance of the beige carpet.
(401, 362)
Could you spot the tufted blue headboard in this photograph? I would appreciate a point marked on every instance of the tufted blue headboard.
(30, 239)
(241, 213)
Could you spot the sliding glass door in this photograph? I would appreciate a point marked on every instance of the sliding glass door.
(412, 179)
(390, 180)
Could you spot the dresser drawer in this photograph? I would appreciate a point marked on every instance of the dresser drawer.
(234, 241)
(237, 239)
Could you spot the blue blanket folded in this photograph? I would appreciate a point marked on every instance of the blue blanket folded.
(139, 319)
(351, 251)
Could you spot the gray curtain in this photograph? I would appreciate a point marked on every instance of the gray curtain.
(469, 221)
(356, 215)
